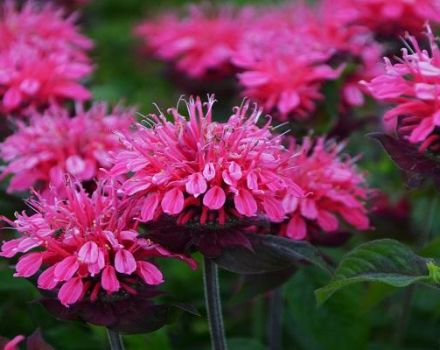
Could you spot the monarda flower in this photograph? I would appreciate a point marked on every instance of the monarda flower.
(200, 43)
(83, 246)
(51, 144)
(203, 173)
(282, 65)
(335, 191)
(31, 78)
(392, 17)
(412, 85)
(41, 26)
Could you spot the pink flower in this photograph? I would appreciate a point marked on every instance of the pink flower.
(288, 85)
(41, 26)
(335, 191)
(199, 43)
(43, 57)
(412, 85)
(83, 245)
(197, 169)
(30, 78)
(391, 17)
(283, 63)
(53, 143)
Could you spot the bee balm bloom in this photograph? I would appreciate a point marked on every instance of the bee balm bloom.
(41, 26)
(335, 191)
(199, 43)
(40, 152)
(83, 246)
(43, 57)
(412, 86)
(205, 172)
(31, 78)
(282, 64)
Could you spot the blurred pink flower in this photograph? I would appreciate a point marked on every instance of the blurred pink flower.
(41, 26)
(84, 245)
(201, 170)
(391, 17)
(287, 56)
(412, 85)
(335, 191)
(283, 65)
(51, 144)
(201, 42)
(31, 78)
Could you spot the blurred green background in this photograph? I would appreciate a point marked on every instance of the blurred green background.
(365, 317)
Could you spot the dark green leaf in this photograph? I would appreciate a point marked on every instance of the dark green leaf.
(387, 261)
(270, 253)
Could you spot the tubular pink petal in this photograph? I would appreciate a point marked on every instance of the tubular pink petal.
(71, 291)
(109, 281)
(125, 262)
(172, 202)
(245, 203)
(149, 273)
(215, 198)
(28, 264)
(65, 269)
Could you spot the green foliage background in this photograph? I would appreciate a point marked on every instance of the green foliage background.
(363, 317)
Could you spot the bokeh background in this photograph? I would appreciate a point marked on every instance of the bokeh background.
(370, 316)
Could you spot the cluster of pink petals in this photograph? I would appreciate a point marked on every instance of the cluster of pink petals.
(282, 55)
(42, 26)
(390, 17)
(31, 78)
(52, 144)
(335, 191)
(13, 343)
(412, 85)
(84, 246)
(199, 43)
(43, 58)
(195, 168)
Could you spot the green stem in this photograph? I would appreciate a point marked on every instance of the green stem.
(213, 305)
(115, 340)
(408, 293)
(275, 317)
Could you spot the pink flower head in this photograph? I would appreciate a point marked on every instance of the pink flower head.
(205, 171)
(41, 26)
(83, 246)
(335, 191)
(30, 78)
(199, 43)
(412, 85)
(391, 17)
(288, 85)
(283, 65)
(330, 28)
(51, 144)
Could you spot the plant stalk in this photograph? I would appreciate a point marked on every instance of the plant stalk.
(213, 305)
(275, 317)
(115, 340)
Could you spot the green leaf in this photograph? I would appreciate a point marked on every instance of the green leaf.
(387, 261)
(270, 253)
